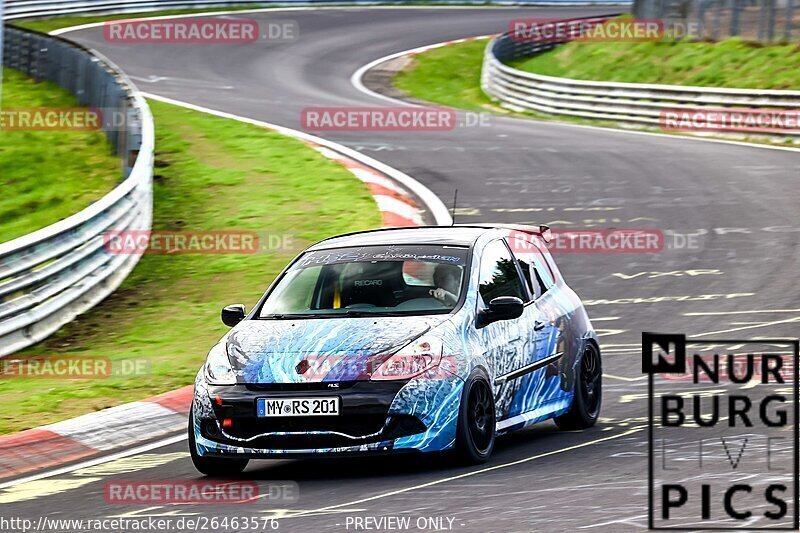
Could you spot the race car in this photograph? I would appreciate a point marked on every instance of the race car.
(426, 339)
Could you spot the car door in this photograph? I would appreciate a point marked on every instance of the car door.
(539, 318)
(539, 324)
(503, 340)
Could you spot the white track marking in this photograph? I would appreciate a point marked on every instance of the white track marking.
(761, 325)
(716, 313)
(470, 474)
(622, 378)
(97, 460)
(440, 212)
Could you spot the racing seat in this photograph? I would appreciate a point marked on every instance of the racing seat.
(373, 284)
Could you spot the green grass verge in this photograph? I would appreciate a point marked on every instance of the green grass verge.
(48, 175)
(449, 75)
(729, 63)
(212, 174)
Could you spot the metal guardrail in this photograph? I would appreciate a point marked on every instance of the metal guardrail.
(631, 103)
(50, 276)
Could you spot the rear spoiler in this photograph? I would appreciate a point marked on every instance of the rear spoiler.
(542, 230)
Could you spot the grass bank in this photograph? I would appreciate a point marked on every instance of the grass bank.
(212, 174)
(48, 175)
(450, 75)
(729, 63)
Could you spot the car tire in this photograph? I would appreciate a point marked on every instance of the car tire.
(212, 466)
(586, 403)
(476, 421)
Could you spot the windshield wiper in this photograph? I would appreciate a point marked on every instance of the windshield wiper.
(349, 313)
(284, 316)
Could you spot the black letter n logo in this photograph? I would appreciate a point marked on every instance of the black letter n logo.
(663, 353)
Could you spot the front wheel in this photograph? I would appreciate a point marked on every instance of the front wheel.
(212, 466)
(585, 408)
(476, 421)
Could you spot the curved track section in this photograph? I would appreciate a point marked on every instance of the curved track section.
(740, 202)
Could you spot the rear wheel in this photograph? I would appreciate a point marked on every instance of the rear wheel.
(476, 421)
(212, 466)
(585, 408)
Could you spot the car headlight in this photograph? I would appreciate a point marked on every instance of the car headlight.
(416, 358)
(218, 367)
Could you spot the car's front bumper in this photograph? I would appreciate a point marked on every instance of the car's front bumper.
(376, 417)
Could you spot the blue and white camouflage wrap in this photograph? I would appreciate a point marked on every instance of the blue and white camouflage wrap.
(268, 352)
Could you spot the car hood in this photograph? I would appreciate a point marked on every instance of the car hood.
(315, 350)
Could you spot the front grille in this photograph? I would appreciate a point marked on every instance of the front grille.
(364, 411)
(382, 429)
(352, 425)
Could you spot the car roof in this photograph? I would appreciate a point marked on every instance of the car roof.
(458, 235)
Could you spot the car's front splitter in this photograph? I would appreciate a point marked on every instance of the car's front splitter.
(432, 404)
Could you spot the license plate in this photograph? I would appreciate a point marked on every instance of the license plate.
(327, 406)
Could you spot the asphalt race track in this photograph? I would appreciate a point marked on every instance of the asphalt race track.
(739, 203)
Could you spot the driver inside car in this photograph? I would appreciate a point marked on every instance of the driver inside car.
(447, 279)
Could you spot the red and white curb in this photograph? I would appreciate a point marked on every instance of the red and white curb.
(94, 433)
(398, 208)
(134, 423)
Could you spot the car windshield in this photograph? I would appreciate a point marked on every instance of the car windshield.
(368, 281)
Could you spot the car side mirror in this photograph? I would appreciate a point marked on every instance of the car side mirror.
(502, 308)
(233, 314)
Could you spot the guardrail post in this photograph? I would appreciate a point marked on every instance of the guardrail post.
(735, 18)
(770, 8)
(787, 28)
(717, 26)
(701, 14)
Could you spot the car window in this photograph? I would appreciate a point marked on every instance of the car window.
(528, 253)
(370, 280)
(532, 277)
(498, 274)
